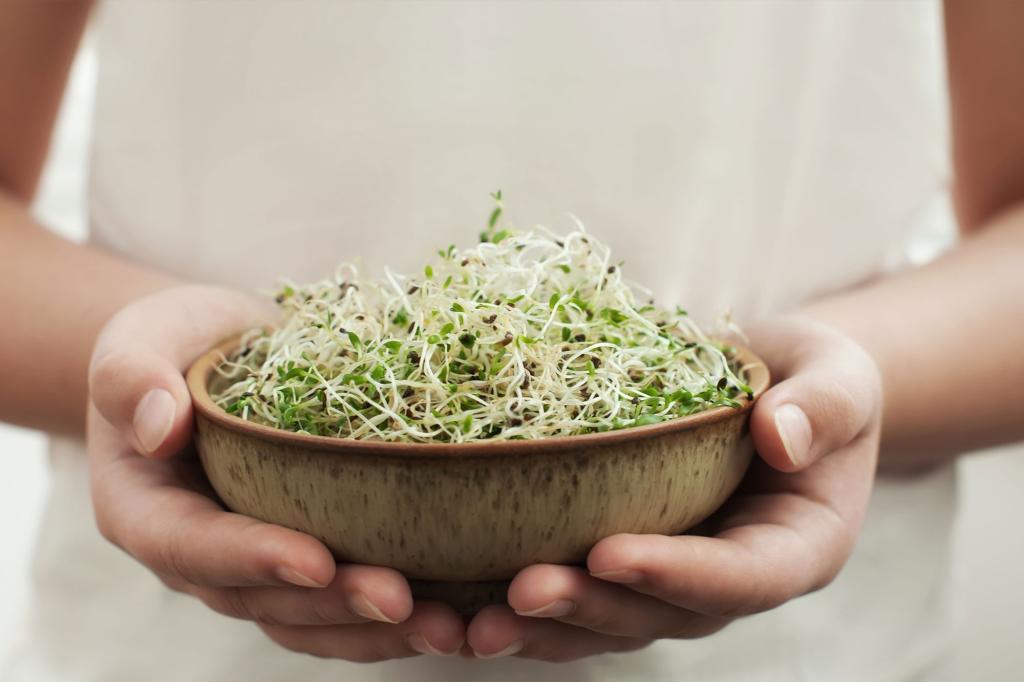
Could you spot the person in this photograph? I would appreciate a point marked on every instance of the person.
(769, 158)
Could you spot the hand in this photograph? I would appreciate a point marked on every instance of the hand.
(786, 532)
(152, 500)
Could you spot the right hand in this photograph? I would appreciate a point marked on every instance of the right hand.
(152, 500)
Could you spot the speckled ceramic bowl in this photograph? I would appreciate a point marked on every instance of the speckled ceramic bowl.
(473, 512)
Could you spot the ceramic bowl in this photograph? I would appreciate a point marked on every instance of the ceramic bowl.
(450, 514)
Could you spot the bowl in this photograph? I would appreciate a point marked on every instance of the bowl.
(461, 519)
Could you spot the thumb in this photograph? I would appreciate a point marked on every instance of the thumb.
(135, 377)
(829, 393)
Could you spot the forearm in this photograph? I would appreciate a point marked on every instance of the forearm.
(56, 297)
(947, 338)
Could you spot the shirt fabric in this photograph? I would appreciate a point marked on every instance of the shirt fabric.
(740, 157)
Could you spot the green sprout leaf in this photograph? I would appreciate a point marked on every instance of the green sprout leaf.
(528, 335)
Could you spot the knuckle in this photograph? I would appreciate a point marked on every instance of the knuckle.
(237, 606)
(323, 611)
(693, 626)
(172, 555)
(286, 639)
(747, 607)
(106, 527)
(600, 621)
(836, 405)
(235, 603)
(106, 369)
(827, 576)
(175, 583)
(761, 594)
(636, 644)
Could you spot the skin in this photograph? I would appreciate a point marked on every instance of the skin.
(842, 361)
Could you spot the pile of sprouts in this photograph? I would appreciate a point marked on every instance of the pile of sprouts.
(525, 335)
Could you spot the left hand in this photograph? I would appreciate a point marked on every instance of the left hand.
(786, 532)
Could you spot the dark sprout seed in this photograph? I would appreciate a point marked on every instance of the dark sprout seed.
(490, 318)
(507, 340)
(413, 289)
(722, 383)
(580, 337)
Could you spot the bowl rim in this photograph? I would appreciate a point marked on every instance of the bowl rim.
(198, 377)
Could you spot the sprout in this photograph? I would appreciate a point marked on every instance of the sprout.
(526, 335)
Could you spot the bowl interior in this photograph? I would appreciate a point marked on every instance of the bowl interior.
(202, 379)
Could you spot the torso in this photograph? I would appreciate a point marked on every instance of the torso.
(739, 157)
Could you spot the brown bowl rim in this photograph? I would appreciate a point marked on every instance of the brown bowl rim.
(198, 376)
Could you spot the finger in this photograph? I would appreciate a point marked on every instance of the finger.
(497, 631)
(205, 545)
(144, 507)
(570, 595)
(135, 377)
(358, 594)
(828, 395)
(433, 629)
(774, 548)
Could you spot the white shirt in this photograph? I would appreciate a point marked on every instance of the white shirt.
(739, 156)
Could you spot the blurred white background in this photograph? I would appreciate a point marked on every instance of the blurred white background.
(989, 546)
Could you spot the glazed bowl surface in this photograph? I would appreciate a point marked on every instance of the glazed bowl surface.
(481, 511)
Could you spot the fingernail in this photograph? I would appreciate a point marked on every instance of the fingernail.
(153, 419)
(290, 575)
(556, 609)
(512, 649)
(419, 643)
(625, 575)
(361, 605)
(795, 431)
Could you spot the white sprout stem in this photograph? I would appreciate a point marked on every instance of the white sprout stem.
(530, 335)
